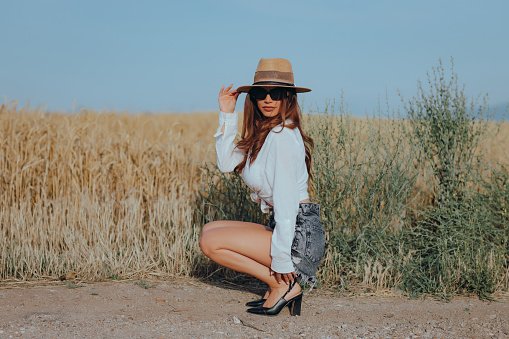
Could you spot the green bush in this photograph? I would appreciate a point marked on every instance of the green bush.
(226, 197)
(364, 180)
(449, 129)
(459, 239)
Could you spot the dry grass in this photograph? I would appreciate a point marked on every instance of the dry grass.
(109, 195)
(104, 195)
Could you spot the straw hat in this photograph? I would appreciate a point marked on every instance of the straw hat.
(273, 73)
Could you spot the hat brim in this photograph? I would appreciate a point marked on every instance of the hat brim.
(245, 89)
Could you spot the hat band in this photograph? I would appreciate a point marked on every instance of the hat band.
(271, 83)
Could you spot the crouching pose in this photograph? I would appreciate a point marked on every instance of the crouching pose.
(274, 159)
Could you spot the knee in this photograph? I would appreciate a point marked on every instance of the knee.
(207, 242)
(203, 243)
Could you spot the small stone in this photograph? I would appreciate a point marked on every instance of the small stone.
(492, 316)
(236, 320)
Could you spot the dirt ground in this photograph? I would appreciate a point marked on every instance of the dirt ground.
(192, 309)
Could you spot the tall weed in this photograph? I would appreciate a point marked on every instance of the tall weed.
(364, 180)
(460, 238)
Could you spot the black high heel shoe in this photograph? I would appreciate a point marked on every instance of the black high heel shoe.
(293, 304)
(256, 303)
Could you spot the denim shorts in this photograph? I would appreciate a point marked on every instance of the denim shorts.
(308, 241)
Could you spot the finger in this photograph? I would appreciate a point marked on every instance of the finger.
(221, 91)
(229, 88)
(278, 278)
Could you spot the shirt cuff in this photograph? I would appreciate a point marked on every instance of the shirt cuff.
(226, 118)
(282, 266)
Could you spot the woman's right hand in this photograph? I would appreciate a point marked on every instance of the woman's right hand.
(286, 278)
(228, 99)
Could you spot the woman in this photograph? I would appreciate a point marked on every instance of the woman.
(274, 159)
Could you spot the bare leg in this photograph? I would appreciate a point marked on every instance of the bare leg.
(239, 224)
(245, 248)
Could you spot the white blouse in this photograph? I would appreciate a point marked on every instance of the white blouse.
(278, 178)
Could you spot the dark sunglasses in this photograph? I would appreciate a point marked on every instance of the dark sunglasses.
(259, 93)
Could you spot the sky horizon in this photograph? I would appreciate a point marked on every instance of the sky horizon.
(168, 56)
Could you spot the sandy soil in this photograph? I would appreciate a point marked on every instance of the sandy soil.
(190, 308)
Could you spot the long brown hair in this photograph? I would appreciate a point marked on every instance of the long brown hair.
(256, 127)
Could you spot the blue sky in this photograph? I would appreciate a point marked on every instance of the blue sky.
(173, 56)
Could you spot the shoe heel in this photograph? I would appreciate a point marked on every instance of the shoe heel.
(295, 306)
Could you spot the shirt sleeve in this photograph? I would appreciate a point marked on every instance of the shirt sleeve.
(286, 199)
(228, 156)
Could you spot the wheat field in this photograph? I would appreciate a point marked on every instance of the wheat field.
(109, 195)
(100, 194)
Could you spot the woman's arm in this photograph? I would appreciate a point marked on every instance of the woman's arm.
(286, 156)
(228, 156)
